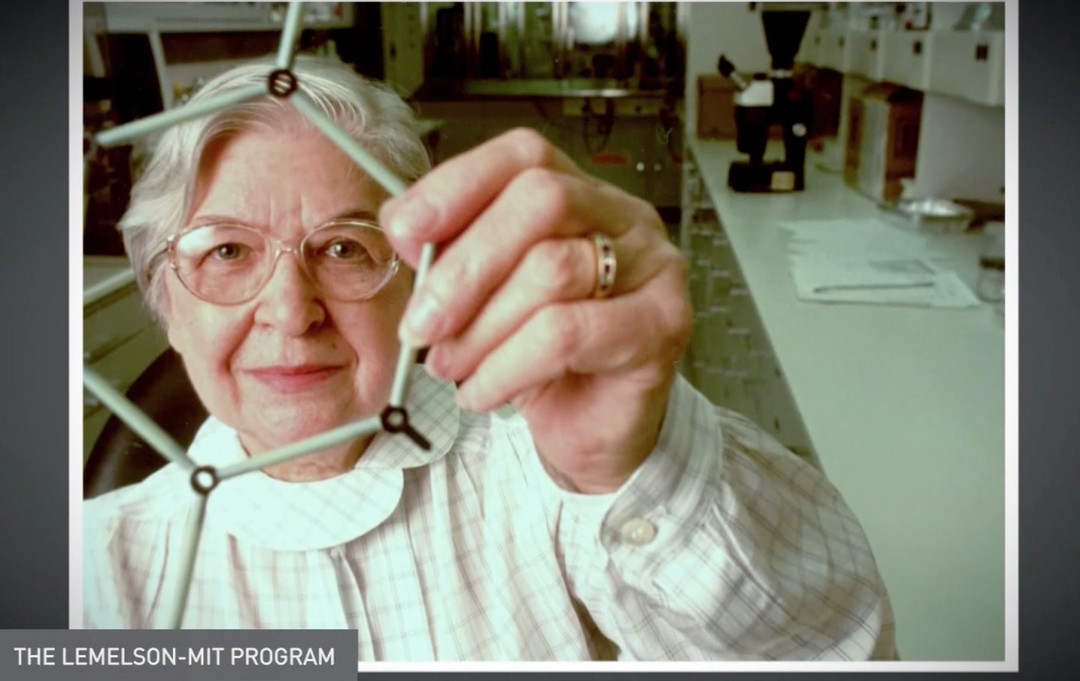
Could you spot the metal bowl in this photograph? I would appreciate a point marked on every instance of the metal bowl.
(937, 215)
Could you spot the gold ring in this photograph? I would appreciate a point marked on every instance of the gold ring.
(605, 266)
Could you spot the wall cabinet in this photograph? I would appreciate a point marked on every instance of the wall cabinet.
(969, 65)
(868, 51)
(908, 59)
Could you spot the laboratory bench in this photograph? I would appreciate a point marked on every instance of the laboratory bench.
(903, 408)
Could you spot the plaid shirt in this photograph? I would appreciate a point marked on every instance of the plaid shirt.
(722, 546)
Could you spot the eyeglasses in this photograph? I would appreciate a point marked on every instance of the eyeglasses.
(227, 264)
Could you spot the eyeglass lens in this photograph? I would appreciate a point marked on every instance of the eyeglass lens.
(227, 264)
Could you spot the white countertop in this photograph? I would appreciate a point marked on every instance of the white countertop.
(905, 408)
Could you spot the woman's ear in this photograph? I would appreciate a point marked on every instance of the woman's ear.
(164, 308)
(175, 340)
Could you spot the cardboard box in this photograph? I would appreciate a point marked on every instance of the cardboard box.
(824, 88)
(883, 140)
(716, 108)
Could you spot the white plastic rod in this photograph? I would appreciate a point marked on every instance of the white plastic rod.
(123, 134)
(373, 166)
(189, 554)
(407, 358)
(290, 33)
(307, 446)
(135, 419)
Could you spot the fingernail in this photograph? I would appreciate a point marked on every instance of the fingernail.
(411, 219)
(466, 397)
(433, 372)
(431, 364)
(421, 322)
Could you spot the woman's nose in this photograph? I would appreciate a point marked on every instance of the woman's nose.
(290, 301)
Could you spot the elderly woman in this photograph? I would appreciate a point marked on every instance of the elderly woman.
(580, 499)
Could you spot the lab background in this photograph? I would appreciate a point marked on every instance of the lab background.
(842, 211)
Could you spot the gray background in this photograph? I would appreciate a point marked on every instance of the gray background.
(34, 314)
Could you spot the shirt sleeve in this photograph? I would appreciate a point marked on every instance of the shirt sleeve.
(723, 545)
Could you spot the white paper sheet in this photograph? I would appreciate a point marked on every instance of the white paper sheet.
(889, 281)
(863, 261)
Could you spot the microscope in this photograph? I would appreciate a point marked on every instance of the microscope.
(767, 100)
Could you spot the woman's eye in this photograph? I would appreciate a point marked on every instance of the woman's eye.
(228, 251)
(344, 249)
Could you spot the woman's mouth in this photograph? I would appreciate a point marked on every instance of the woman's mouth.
(295, 378)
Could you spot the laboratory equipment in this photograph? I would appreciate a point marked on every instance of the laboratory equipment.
(603, 81)
(938, 216)
(546, 48)
(765, 100)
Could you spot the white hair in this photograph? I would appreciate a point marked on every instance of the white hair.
(162, 197)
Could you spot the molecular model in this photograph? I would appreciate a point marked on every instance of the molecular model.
(280, 83)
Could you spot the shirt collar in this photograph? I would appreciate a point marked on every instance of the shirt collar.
(300, 516)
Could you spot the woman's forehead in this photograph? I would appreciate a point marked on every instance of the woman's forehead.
(270, 177)
(240, 217)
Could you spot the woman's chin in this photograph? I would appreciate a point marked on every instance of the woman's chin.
(275, 429)
(274, 421)
(287, 434)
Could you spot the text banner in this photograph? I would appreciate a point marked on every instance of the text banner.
(55, 655)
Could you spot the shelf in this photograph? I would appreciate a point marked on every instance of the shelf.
(965, 64)
(196, 25)
(225, 17)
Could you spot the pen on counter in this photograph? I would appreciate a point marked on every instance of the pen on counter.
(874, 287)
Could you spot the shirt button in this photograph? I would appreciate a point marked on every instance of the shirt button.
(638, 531)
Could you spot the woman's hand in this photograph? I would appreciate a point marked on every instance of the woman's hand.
(509, 310)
